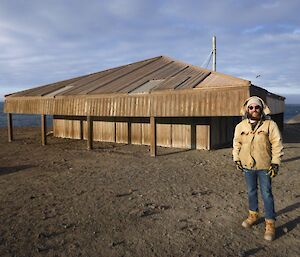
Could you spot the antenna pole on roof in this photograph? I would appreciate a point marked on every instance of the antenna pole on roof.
(214, 53)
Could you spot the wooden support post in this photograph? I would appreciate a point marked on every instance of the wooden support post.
(81, 129)
(89, 133)
(129, 132)
(44, 129)
(115, 132)
(209, 146)
(193, 136)
(153, 148)
(10, 127)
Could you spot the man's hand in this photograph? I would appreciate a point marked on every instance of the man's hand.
(238, 165)
(273, 170)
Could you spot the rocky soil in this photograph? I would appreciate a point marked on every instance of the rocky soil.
(62, 200)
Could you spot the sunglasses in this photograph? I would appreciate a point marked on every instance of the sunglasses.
(257, 107)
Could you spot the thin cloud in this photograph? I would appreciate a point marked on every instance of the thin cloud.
(253, 30)
(47, 41)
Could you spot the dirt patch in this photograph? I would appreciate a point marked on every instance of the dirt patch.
(62, 200)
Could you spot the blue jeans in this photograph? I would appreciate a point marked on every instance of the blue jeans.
(265, 184)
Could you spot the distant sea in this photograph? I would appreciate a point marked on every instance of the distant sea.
(26, 120)
(23, 120)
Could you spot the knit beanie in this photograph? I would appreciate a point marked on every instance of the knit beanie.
(255, 100)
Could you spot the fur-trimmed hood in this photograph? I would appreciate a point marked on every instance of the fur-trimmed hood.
(266, 110)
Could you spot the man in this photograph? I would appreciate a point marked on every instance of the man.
(257, 151)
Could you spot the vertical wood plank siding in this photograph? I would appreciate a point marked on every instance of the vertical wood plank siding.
(180, 103)
(276, 106)
(168, 135)
(202, 139)
(121, 132)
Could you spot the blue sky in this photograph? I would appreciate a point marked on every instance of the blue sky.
(51, 40)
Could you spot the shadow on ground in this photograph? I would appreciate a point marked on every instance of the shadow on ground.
(253, 251)
(8, 170)
(291, 133)
(290, 225)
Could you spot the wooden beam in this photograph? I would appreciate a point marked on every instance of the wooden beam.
(10, 127)
(68, 117)
(89, 133)
(44, 129)
(153, 148)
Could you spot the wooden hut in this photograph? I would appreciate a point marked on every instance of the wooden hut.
(158, 101)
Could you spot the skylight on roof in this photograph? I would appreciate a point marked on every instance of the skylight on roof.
(58, 91)
(147, 87)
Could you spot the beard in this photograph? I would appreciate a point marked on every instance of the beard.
(254, 117)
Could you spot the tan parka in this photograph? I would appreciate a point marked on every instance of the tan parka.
(258, 148)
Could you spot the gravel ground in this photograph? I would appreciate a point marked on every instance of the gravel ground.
(62, 200)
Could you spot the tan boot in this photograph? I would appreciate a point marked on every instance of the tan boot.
(270, 230)
(252, 218)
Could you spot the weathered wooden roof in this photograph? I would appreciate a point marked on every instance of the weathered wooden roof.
(160, 86)
(155, 74)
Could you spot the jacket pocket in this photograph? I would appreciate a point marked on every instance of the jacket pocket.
(262, 137)
(263, 132)
(245, 133)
